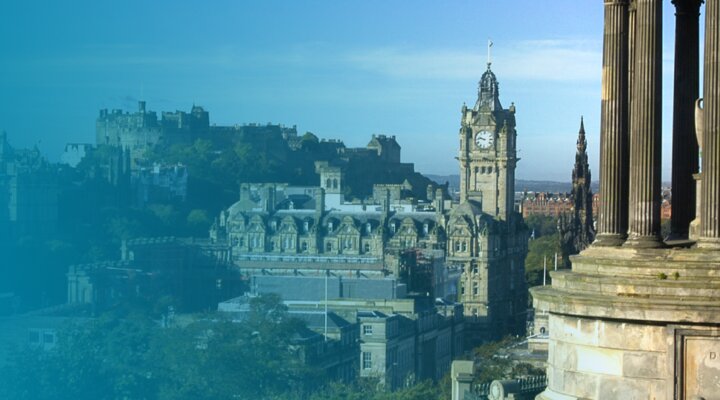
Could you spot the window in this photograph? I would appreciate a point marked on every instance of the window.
(366, 360)
(304, 246)
(328, 246)
(367, 247)
(475, 289)
(48, 338)
(367, 330)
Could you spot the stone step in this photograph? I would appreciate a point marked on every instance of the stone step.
(688, 265)
(670, 310)
(638, 287)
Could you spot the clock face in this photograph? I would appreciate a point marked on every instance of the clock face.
(483, 139)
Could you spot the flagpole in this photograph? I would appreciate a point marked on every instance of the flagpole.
(490, 43)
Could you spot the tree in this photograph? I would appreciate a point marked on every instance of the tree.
(128, 354)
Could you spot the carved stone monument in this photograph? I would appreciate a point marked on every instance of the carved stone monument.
(638, 317)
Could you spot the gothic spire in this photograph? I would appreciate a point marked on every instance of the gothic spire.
(581, 142)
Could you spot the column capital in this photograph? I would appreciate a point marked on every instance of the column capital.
(687, 6)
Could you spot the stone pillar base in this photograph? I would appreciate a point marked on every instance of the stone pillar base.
(644, 242)
(608, 239)
(709, 243)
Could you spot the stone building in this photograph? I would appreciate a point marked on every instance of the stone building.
(142, 130)
(278, 229)
(28, 194)
(150, 268)
(638, 317)
(486, 238)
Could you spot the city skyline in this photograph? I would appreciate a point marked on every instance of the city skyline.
(339, 71)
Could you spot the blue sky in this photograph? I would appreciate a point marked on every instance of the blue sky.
(340, 69)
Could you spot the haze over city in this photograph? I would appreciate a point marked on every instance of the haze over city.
(339, 70)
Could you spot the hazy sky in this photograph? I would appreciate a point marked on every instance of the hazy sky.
(340, 69)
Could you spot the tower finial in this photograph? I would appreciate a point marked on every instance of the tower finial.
(489, 59)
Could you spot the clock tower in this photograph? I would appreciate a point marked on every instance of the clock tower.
(487, 151)
(487, 239)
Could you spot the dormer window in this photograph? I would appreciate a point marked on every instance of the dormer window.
(330, 226)
(306, 226)
(392, 227)
(426, 229)
(368, 228)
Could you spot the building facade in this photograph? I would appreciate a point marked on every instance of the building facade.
(486, 238)
(278, 229)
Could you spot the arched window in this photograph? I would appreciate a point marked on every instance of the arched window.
(335, 184)
(328, 183)
(328, 246)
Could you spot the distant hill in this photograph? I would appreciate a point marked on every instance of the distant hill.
(520, 184)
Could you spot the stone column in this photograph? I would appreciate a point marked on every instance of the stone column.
(612, 221)
(631, 53)
(646, 128)
(710, 188)
(685, 146)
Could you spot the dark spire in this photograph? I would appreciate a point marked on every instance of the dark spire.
(582, 142)
(577, 230)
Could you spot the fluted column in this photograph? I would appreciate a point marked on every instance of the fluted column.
(612, 221)
(645, 128)
(685, 146)
(710, 188)
(631, 54)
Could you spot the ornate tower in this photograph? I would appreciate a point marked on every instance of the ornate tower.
(487, 151)
(487, 239)
(577, 230)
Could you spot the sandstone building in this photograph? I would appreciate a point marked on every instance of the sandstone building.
(279, 229)
(638, 317)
